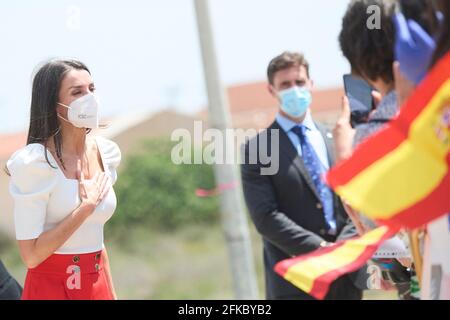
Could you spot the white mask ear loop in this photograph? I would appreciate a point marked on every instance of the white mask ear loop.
(63, 105)
(59, 116)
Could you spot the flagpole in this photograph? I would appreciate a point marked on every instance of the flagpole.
(233, 213)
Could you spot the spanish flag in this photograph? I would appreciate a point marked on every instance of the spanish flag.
(314, 272)
(400, 176)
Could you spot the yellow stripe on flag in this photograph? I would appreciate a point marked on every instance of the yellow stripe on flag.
(306, 272)
(380, 191)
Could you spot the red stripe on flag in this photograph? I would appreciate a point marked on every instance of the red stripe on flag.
(322, 284)
(283, 266)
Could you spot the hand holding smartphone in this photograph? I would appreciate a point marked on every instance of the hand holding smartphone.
(359, 94)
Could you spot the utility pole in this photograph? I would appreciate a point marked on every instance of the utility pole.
(233, 214)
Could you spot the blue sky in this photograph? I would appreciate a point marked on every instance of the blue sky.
(144, 54)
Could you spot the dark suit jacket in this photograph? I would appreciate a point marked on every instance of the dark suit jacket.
(287, 212)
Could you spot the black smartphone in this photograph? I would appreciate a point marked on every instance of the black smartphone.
(359, 94)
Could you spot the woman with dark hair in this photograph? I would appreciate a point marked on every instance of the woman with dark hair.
(61, 182)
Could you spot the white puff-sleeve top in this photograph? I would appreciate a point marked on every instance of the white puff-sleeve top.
(43, 196)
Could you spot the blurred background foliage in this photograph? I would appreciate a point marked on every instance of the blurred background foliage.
(154, 191)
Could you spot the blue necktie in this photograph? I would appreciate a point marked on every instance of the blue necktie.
(316, 170)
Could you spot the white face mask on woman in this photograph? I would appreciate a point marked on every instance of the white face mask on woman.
(83, 112)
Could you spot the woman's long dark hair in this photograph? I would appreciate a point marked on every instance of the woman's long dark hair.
(443, 45)
(44, 123)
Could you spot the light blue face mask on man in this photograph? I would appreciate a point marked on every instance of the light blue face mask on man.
(295, 101)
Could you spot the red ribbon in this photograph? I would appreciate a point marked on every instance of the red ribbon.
(203, 193)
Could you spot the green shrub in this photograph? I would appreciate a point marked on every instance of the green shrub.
(153, 190)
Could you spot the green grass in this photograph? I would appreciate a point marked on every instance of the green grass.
(189, 263)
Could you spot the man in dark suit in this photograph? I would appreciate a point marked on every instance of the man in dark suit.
(292, 208)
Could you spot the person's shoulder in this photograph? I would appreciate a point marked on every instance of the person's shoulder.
(32, 154)
(109, 150)
(261, 135)
(365, 130)
(387, 109)
(31, 169)
(107, 145)
(325, 130)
